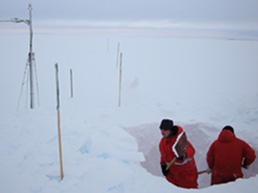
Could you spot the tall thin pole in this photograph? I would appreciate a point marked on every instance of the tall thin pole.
(71, 82)
(30, 60)
(31, 54)
(120, 80)
(58, 124)
(117, 59)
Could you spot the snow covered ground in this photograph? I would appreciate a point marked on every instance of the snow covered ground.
(202, 84)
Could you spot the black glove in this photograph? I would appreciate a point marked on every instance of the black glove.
(245, 166)
(163, 168)
(181, 158)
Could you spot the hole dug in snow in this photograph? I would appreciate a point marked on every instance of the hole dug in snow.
(201, 135)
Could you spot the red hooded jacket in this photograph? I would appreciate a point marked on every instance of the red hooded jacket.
(225, 157)
(182, 173)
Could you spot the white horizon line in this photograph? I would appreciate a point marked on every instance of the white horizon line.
(208, 34)
(157, 24)
(154, 28)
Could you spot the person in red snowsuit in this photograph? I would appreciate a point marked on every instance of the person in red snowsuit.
(227, 155)
(183, 172)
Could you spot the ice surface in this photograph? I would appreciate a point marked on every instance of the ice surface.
(202, 84)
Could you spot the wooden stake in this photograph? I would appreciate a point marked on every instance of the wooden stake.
(58, 124)
(60, 147)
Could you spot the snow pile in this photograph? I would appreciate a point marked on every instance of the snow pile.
(107, 148)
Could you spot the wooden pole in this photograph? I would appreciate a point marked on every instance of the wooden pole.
(120, 80)
(60, 147)
(208, 171)
(71, 82)
(170, 163)
(58, 125)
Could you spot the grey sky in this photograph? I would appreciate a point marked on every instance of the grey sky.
(219, 14)
(219, 10)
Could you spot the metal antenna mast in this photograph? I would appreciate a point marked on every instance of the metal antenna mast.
(31, 58)
(31, 54)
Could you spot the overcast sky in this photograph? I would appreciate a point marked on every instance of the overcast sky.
(214, 14)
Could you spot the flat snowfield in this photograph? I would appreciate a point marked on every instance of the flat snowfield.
(202, 84)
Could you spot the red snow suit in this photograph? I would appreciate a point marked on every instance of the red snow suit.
(182, 173)
(225, 157)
